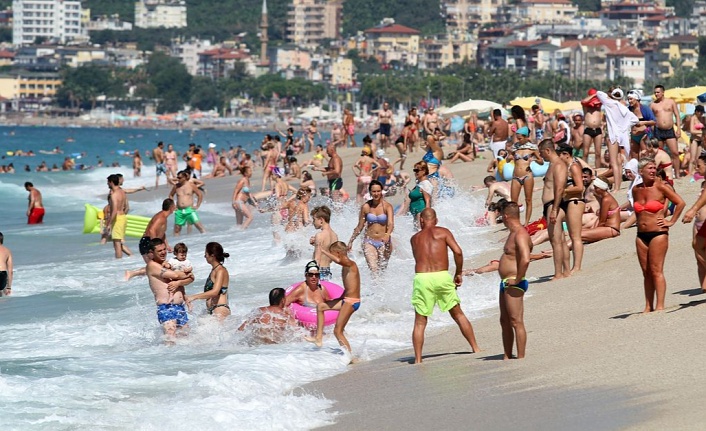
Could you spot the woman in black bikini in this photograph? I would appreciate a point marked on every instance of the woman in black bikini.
(524, 153)
(650, 200)
(215, 291)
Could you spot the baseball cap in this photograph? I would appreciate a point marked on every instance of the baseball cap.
(311, 268)
(524, 131)
(211, 145)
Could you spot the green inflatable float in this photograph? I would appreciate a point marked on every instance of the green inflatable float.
(93, 216)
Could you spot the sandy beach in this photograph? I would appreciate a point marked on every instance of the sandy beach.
(593, 362)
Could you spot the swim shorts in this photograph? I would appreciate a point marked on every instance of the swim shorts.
(3, 280)
(185, 215)
(523, 285)
(119, 226)
(385, 129)
(335, 184)
(325, 273)
(702, 231)
(434, 288)
(35, 216)
(160, 168)
(144, 245)
(167, 312)
(664, 134)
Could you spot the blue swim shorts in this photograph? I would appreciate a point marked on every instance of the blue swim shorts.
(523, 285)
(167, 312)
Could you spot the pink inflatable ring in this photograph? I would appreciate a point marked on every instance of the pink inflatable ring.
(307, 315)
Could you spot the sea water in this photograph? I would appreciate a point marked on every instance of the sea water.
(81, 349)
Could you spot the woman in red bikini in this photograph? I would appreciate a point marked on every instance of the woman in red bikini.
(651, 199)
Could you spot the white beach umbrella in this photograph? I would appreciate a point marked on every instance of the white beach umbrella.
(465, 108)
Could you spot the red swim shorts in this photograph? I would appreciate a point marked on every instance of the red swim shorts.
(35, 216)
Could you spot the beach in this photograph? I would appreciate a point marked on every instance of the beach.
(593, 361)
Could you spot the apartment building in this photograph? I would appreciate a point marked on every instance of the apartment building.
(342, 72)
(627, 62)
(310, 22)
(217, 63)
(462, 16)
(588, 58)
(676, 52)
(188, 53)
(443, 50)
(56, 20)
(160, 13)
(546, 11)
(628, 17)
(392, 42)
(527, 55)
(29, 85)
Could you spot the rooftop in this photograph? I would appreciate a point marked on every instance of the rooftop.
(392, 29)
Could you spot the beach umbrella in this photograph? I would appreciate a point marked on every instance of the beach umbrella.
(572, 105)
(465, 108)
(685, 95)
(526, 103)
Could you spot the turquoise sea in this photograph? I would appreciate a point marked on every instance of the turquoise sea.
(82, 350)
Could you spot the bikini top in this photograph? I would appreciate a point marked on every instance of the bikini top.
(650, 206)
(209, 283)
(245, 190)
(306, 302)
(430, 158)
(372, 218)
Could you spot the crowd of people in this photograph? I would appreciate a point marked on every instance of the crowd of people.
(579, 206)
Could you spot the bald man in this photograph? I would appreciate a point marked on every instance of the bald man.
(433, 283)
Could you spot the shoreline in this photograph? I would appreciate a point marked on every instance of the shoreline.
(593, 360)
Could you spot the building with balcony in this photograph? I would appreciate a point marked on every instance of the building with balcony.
(342, 72)
(29, 85)
(188, 53)
(443, 50)
(111, 23)
(588, 58)
(310, 22)
(629, 17)
(523, 55)
(393, 43)
(284, 58)
(463, 16)
(545, 11)
(160, 13)
(677, 52)
(55, 20)
(218, 63)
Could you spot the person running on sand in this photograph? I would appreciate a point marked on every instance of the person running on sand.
(378, 219)
(166, 284)
(608, 217)
(6, 268)
(323, 240)
(156, 228)
(349, 301)
(433, 283)
(651, 198)
(186, 208)
(215, 290)
(35, 208)
(241, 199)
(512, 270)
(268, 324)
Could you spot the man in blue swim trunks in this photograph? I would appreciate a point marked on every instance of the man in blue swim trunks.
(169, 296)
(512, 269)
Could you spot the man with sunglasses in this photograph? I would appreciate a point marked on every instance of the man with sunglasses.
(309, 293)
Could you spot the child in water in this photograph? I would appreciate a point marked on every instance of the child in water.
(179, 263)
(347, 303)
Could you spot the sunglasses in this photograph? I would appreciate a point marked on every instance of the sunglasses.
(313, 274)
(416, 170)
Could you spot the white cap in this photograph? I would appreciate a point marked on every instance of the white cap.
(600, 184)
(211, 145)
(380, 153)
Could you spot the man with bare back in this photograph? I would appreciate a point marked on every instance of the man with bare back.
(186, 208)
(432, 282)
(592, 127)
(498, 132)
(512, 269)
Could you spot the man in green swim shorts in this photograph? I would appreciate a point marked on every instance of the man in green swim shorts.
(433, 283)
(185, 190)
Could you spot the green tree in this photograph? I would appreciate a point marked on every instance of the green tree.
(205, 94)
(82, 86)
(171, 82)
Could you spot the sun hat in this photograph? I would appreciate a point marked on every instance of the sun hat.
(600, 184)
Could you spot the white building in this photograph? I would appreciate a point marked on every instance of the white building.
(160, 13)
(188, 53)
(59, 20)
